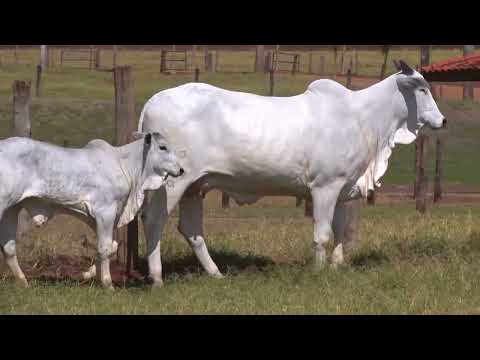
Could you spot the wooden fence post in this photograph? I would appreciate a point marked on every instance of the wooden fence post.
(21, 108)
(97, 58)
(342, 60)
(209, 62)
(197, 75)
(334, 72)
(421, 178)
(268, 62)
(321, 66)
(349, 79)
(39, 79)
(437, 191)
(294, 65)
(205, 58)
(277, 53)
(310, 62)
(355, 53)
(260, 58)
(272, 82)
(163, 58)
(114, 56)
(15, 54)
(22, 126)
(44, 57)
(424, 55)
(125, 125)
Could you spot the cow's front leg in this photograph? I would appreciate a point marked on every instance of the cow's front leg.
(8, 234)
(191, 227)
(105, 222)
(324, 201)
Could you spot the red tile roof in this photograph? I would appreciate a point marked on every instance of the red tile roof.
(461, 63)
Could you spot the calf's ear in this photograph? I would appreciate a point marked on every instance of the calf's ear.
(148, 139)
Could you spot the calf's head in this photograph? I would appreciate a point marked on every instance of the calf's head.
(420, 106)
(158, 158)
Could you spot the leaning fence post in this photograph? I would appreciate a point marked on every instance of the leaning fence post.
(163, 57)
(22, 126)
(197, 75)
(437, 191)
(349, 78)
(260, 58)
(272, 82)
(125, 125)
(422, 180)
(39, 79)
(310, 62)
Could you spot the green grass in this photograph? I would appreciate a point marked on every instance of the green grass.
(406, 264)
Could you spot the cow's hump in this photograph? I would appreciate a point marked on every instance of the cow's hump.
(327, 87)
(98, 144)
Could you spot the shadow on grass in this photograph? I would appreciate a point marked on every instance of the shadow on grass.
(66, 270)
(368, 259)
(228, 262)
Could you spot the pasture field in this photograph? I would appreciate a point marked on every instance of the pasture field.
(77, 105)
(406, 264)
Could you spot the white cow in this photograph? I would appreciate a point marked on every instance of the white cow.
(100, 184)
(331, 142)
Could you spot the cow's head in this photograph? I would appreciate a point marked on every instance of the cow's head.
(158, 159)
(422, 108)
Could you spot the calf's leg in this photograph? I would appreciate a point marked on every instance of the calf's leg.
(8, 234)
(105, 222)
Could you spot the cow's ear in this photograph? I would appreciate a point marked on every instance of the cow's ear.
(407, 70)
(148, 139)
(397, 66)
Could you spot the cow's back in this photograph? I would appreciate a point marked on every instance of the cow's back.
(256, 139)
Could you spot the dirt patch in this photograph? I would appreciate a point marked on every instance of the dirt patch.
(64, 267)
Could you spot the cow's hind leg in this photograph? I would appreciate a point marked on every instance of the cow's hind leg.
(345, 229)
(191, 227)
(8, 234)
(324, 201)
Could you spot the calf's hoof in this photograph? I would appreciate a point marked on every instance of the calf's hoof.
(92, 271)
(23, 283)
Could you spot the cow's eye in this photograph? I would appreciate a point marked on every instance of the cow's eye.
(423, 91)
(163, 148)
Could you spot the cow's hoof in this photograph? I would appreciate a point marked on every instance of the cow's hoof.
(108, 287)
(333, 266)
(218, 275)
